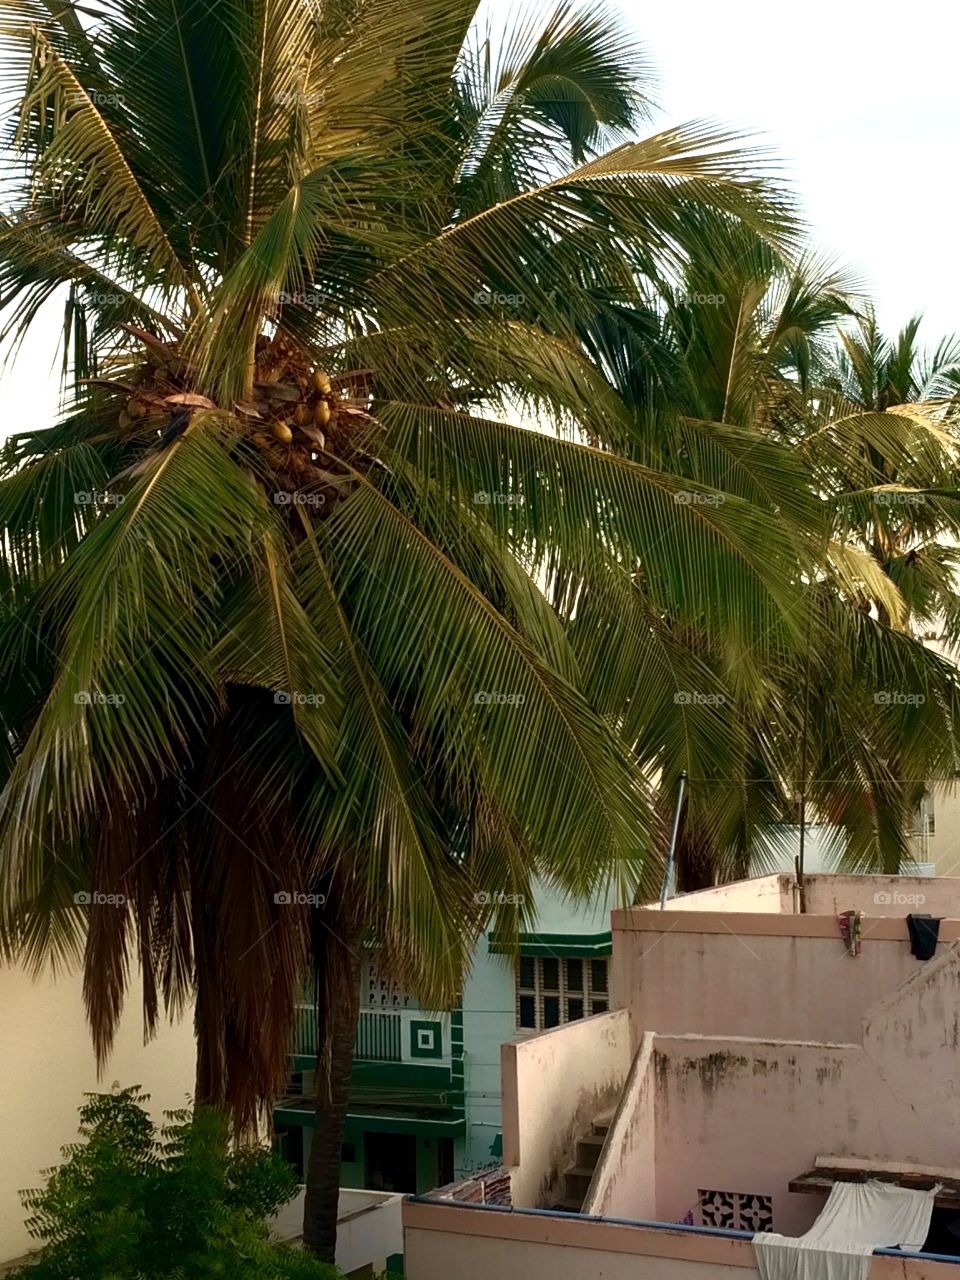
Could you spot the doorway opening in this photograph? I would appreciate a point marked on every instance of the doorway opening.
(390, 1161)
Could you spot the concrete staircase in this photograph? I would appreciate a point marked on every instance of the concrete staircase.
(576, 1177)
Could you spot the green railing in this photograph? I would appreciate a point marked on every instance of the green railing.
(305, 1032)
(379, 1034)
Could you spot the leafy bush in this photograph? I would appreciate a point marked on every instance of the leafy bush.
(133, 1202)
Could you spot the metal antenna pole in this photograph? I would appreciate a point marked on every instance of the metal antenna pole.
(668, 873)
(801, 887)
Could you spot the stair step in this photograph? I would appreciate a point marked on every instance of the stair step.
(588, 1150)
(602, 1124)
(576, 1183)
(577, 1177)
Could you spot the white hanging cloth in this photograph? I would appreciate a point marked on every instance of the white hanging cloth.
(857, 1218)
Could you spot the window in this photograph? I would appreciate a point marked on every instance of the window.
(928, 812)
(736, 1210)
(551, 990)
(923, 822)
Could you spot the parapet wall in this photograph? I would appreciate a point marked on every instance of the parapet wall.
(747, 1116)
(554, 1085)
(768, 975)
(444, 1240)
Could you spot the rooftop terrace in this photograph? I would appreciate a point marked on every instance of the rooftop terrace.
(747, 1060)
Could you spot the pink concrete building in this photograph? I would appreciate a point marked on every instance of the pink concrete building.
(747, 1062)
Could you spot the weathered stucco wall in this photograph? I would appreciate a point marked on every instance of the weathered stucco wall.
(46, 1066)
(884, 895)
(624, 1184)
(826, 894)
(554, 1085)
(746, 1116)
(781, 977)
(911, 1041)
(761, 893)
(741, 1115)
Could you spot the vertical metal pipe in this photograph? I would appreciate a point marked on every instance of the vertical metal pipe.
(671, 852)
(801, 886)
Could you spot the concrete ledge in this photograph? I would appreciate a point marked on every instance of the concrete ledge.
(766, 924)
(537, 1243)
(574, 1231)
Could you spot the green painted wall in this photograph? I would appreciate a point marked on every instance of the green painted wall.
(472, 1082)
(489, 1019)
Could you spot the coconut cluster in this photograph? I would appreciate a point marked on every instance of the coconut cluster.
(295, 414)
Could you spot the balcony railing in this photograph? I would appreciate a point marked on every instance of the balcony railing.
(379, 1034)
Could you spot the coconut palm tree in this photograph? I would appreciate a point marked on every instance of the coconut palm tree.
(908, 486)
(283, 664)
(732, 380)
(883, 437)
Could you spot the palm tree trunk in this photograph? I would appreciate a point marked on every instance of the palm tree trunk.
(338, 1008)
(211, 1073)
(695, 864)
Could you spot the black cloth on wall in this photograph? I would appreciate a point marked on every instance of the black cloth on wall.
(924, 934)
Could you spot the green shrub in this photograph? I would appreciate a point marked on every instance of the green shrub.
(131, 1202)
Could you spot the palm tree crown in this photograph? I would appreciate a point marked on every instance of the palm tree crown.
(269, 653)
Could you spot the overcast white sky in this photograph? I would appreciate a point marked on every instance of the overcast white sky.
(861, 100)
